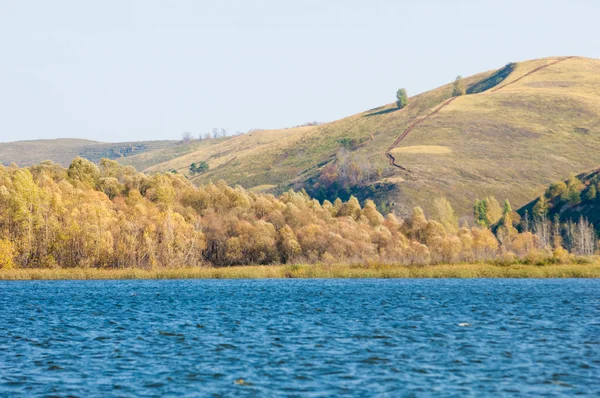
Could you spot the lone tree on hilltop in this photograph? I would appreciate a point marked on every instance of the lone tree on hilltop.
(458, 88)
(186, 137)
(401, 98)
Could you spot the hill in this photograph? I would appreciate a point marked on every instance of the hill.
(147, 159)
(63, 151)
(518, 129)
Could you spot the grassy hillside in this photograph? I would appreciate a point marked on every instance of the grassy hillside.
(62, 151)
(147, 159)
(518, 129)
(510, 140)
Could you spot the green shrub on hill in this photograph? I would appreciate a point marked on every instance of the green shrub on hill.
(458, 88)
(199, 168)
(401, 98)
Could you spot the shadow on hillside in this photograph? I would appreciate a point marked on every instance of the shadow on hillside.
(383, 112)
(492, 81)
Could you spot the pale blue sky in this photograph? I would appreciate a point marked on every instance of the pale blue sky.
(116, 70)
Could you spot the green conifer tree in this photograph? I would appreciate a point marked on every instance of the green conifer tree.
(480, 212)
(506, 220)
(591, 192)
(540, 209)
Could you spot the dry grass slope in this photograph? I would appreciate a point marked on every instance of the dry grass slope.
(145, 161)
(509, 143)
(423, 149)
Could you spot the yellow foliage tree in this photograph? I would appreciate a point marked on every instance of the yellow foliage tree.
(6, 254)
(111, 216)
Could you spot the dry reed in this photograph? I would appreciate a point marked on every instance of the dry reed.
(587, 270)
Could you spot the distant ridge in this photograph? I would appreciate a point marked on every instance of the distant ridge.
(63, 150)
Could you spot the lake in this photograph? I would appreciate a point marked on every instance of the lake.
(300, 338)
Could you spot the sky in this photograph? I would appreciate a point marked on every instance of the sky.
(118, 70)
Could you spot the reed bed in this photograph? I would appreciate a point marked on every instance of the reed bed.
(481, 270)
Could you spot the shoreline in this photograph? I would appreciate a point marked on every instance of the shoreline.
(342, 271)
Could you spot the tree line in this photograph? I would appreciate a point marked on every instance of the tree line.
(108, 215)
(575, 236)
(187, 137)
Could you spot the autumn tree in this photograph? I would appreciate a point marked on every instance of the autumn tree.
(505, 229)
(416, 225)
(572, 194)
(556, 189)
(110, 216)
(485, 245)
(84, 172)
(540, 209)
(444, 213)
(7, 253)
(371, 214)
(289, 247)
(557, 239)
(487, 211)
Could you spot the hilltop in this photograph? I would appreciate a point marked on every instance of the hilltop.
(518, 129)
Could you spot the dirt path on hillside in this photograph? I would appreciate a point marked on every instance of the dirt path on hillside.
(391, 157)
(388, 153)
(539, 68)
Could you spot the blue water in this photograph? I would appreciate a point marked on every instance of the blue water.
(300, 338)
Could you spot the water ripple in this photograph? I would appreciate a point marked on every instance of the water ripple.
(300, 337)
